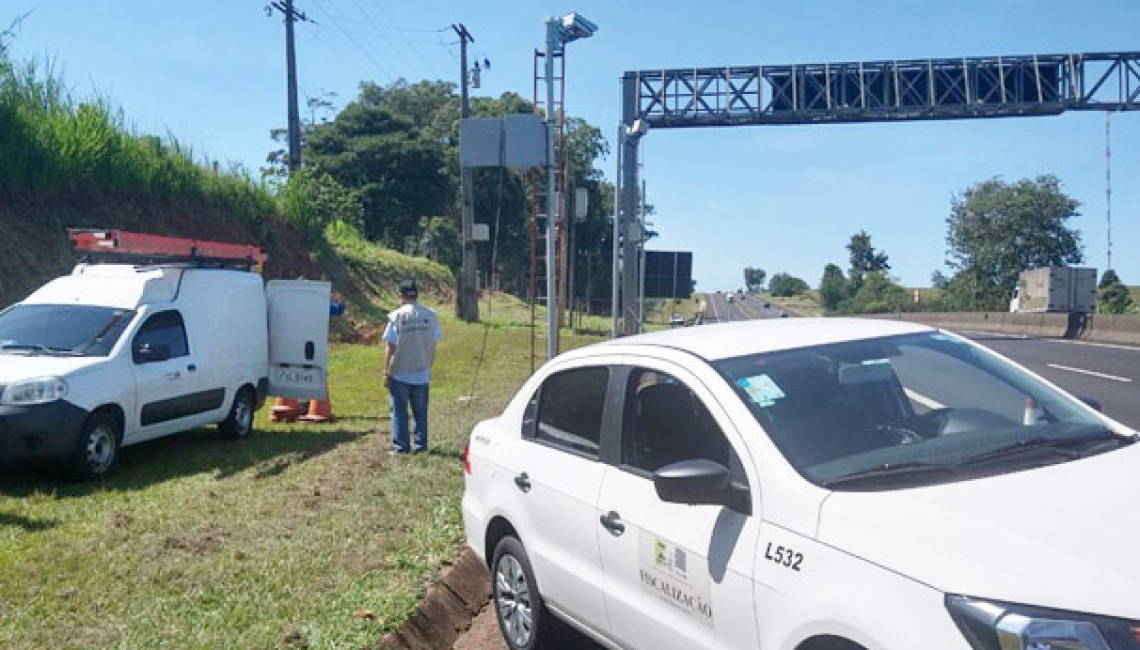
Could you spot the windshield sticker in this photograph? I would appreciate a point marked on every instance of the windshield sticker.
(761, 390)
(676, 576)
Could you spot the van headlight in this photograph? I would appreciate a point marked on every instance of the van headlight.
(991, 625)
(40, 390)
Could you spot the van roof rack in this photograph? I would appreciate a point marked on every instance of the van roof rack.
(139, 248)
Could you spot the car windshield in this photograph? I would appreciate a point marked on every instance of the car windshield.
(73, 330)
(910, 410)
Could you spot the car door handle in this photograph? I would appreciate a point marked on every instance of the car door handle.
(523, 482)
(192, 368)
(612, 521)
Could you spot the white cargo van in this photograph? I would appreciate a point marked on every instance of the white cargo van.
(115, 354)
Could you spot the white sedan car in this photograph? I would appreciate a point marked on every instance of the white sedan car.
(805, 484)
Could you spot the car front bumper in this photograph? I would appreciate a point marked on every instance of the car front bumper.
(39, 431)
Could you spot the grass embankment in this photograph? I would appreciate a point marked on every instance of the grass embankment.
(807, 304)
(299, 537)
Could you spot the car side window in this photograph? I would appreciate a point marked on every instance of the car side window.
(665, 422)
(567, 409)
(164, 328)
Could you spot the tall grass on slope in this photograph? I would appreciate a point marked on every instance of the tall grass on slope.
(49, 141)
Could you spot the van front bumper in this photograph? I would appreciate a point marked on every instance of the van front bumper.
(39, 431)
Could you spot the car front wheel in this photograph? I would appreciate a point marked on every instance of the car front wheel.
(97, 449)
(523, 619)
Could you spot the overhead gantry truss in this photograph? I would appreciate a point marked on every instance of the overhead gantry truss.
(975, 87)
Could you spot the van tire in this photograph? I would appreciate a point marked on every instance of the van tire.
(239, 423)
(97, 447)
(514, 592)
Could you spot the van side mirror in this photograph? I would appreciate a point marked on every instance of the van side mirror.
(700, 482)
(152, 352)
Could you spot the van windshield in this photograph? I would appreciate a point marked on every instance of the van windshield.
(71, 330)
(911, 410)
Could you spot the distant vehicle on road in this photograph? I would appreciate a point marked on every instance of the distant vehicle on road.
(677, 320)
(1055, 289)
(729, 298)
(827, 484)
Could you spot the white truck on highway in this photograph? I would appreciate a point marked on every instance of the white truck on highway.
(1055, 289)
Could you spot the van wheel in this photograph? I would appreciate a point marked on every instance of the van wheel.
(97, 448)
(239, 423)
(523, 618)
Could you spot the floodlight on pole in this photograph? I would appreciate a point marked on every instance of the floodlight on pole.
(559, 32)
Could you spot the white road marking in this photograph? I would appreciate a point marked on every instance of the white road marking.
(923, 399)
(1082, 371)
(1021, 337)
(1114, 346)
(712, 301)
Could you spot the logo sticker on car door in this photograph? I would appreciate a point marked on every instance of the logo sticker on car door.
(677, 576)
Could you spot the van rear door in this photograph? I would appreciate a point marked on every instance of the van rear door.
(298, 338)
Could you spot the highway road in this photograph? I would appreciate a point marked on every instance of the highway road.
(720, 310)
(1109, 374)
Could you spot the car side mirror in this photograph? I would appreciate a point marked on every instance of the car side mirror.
(700, 482)
(152, 352)
(1094, 404)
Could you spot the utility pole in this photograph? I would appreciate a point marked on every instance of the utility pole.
(467, 303)
(291, 15)
(553, 43)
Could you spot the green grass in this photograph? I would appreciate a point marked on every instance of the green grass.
(284, 540)
(803, 305)
(50, 141)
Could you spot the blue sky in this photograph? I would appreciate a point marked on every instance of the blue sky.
(781, 198)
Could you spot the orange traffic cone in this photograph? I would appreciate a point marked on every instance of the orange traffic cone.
(320, 410)
(286, 409)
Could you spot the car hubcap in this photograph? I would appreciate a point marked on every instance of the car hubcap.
(243, 416)
(512, 595)
(100, 448)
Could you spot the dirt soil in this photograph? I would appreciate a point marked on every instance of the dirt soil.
(34, 247)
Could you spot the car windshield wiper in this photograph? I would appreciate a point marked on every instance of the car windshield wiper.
(889, 472)
(32, 347)
(40, 348)
(1070, 448)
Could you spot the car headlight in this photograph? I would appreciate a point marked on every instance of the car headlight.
(989, 625)
(40, 390)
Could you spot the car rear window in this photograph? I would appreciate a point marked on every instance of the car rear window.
(569, 409)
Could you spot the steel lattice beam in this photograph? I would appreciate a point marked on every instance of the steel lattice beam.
(885, 90)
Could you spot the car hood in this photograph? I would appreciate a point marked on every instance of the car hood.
(1065, 536)
(17, 366)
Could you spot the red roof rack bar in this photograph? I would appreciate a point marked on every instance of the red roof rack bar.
(139, 244)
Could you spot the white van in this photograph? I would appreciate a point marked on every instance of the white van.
(115, 354)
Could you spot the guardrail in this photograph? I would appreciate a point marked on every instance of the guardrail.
(1101, 328)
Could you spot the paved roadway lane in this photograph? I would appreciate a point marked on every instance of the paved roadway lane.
(749, 308)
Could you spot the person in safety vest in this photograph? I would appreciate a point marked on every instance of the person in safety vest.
(412, 333)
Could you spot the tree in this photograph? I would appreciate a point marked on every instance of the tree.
(864, 259)
(833, 288)
(784, 285)
(996, 230)
(312, 200)
(878, 294)
(754, 278)
(1113, 297)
